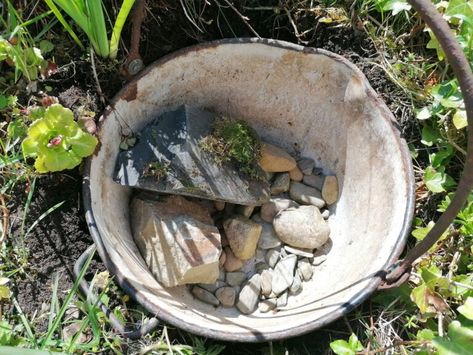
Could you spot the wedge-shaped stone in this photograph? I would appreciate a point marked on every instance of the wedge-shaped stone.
(177, 239)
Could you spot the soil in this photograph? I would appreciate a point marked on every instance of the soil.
(55, 243)
(61, 237)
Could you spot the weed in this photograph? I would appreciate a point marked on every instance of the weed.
(89, 16)
(56, 141)
(234, 141)
(157, 170)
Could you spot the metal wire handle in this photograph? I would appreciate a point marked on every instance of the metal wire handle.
(399, 272)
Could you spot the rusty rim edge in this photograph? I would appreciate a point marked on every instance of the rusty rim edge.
(248, 336)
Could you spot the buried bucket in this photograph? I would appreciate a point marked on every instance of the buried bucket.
(305, 100)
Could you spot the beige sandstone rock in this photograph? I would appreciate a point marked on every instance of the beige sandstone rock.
(177, 239)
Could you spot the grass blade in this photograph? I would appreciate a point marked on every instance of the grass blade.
(45, 214)
(10, 350)
(64, 23)
(27, 207)
(68, 300)
(97, 27)
(54, 300)
(117, 28)
(25, 322)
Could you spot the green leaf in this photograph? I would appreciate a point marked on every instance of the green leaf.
(434, 44)
(3, 102)
(425, 334)
(396, 6)
(4, 292)
(459, 341)
(442, 156)
(16, 129)
(341, 347)
(419, 297)
(82, 144)
(459, 119)
(354, 343)
(434, 180)
(430, 135)
(424, 113)
(430, 275)
(45, 46)
(460, 9)
(467, 309)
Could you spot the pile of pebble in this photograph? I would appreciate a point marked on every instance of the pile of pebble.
(271, 250)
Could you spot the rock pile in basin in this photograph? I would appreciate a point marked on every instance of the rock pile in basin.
(239, 247)
(257, 257)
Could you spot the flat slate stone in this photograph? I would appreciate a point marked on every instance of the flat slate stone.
(172, 143)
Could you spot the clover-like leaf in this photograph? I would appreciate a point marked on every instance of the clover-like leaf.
(56, 141)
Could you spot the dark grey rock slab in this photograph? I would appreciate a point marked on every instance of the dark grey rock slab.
(172, 144)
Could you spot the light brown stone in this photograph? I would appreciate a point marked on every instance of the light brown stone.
(232, 263)
(177, 239)
(330, 189)
(296, 174)
(243, 235)
(275, 159)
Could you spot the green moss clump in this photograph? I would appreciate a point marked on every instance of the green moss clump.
(236, 142)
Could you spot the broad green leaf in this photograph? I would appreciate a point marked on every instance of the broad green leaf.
(421, 233)
(434, 44)
(4, 292)
(425, 334)
(434, 180)
(419, 297)
(16, 129)
(459, 119)
(430, 135)
(57, 159)
(442, 156)
(448, 347)
(354, 343)
(424, 113)
(396, 6)
(430, 275)
(82, 144)
(460, 9)
(341, 347)
(467, 309)
(29, 147)
(3, 102)
(45, 46)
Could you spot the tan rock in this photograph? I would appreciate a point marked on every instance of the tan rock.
(275, 159)
(330, 189)
(296, 174)
(243, 235)
(232, 263)
(302, 227)
(177, 239)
